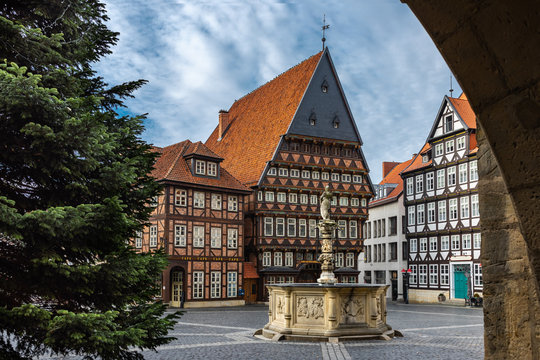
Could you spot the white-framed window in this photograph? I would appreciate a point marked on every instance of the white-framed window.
(305, 174)
(333, 202)
(445, 243)
(473, 170)
(304, 198)
(442, 210)
(272, 171)
(445, 272)
(455, 242)
(410, 211)
(198, 199)
(349, 260)
(342, 229)
(430, 181)
(267, 258)
(412, 245)
(180, 235)
(280, 227)
(291, 227)
(440, 179)
(325, 175)
(138, 239)
(343, 201)
(452, 209)
(475, 210)
(232, 283)
(312, 228)
(419, 184)
(232, 238)
(355, 202)
(477, 240)
(216, 202)
(232, 203)
(215, 284)
(269, 196)
(451, 176)
(212, 168)
(431, 212)
(153, 236)
(357, 179)
(313, 199)
(283, 172)
(259, 196)
(200, 167)
(466, 240)
(364, 202)
(180, 198)
(346, 178)
(439, 150)
(289, 259)
(433, 274)
(432, 244)
(198, 236)
(339, 259)
(423, 244)
(420, 214)
(302, 227)
(460, 143)
(450, 146)
(462, 169)
(198, 284)
(478, 275)
(464, 205)
(422, 274)
(410, 186)
(448, 124)
(278, 258)
(353, 229)
(412, 275)
(295, 173)
(293, 198)
(281, 197)
(335, 177)
(315, 175)
(268, 226)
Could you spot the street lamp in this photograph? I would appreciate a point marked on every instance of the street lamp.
(406, 274)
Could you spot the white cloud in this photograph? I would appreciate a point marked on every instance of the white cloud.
(201, 56)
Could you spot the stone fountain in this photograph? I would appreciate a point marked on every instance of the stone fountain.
(326, 310)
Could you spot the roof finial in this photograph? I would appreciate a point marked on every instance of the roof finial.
(324, 27)
(451, 90)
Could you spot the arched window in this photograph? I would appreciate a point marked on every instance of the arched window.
(312, 119)
(324, 87)
(335, 122)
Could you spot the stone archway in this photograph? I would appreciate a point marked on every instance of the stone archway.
(493, 47)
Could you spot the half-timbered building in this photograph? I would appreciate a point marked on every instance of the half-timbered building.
(286, 141)
(199, 222)
(441, 204)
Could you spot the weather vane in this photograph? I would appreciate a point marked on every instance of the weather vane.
(324, 27)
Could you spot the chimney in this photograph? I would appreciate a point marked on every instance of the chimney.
(387, 166)
(223, 122)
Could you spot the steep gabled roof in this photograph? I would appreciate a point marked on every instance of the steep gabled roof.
(393, 177)
(172, 165)
(417, 162)
(465, 111)
(258, 120)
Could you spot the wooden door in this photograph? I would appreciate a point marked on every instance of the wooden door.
(250, 287)
(460, 282)
(177, 288)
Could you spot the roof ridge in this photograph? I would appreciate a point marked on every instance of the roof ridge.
(180, 153)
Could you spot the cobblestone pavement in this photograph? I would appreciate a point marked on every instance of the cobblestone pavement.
(430, 332)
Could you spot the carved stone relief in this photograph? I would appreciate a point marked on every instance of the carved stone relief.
(280, 305)
(352, 310)
(311, 307)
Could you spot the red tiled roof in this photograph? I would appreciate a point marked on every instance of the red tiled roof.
(465, 111)
(393, 177)
(172, 165)
(250, 271)
(417, 160)
(259, 119)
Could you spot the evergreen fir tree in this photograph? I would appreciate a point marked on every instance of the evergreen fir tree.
(74, 188)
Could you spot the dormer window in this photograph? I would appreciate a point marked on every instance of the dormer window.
(200, 167)
(324, 87)
(312, 119)
(335, 122)
(448, 123)
(212, 169)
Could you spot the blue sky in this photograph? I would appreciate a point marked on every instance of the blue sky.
(199, 56)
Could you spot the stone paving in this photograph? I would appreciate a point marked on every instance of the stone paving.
(430, 332)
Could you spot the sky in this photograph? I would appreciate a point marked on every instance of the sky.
(200, 56)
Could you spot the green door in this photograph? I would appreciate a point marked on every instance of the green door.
(460, 283)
